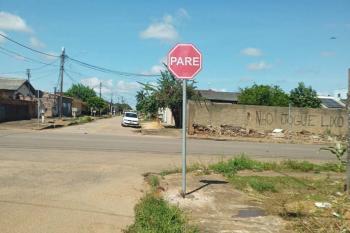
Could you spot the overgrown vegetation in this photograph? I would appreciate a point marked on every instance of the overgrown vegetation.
(232, 166)
(305, 97)
(266, 95)
(88, 95)
(338, 150)
(284, 189)
(263, 95)
(167, 93)
(153, 214)
(82, 120)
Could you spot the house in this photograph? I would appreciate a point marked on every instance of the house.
(331, 102)
(16, 89)
(219, 96)
(49, 105)
(16, 100)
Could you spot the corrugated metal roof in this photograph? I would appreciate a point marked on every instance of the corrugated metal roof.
(219, 95)
(11, 83)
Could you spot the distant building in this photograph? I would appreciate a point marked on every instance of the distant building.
(331, 102)
(340, 94)
(219, 96)
(16, 89)
(49, 105)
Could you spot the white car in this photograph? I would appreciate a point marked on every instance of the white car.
(130, 119)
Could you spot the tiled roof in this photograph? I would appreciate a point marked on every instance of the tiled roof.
(11, 83)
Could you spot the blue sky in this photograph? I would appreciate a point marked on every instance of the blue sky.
(242, 42)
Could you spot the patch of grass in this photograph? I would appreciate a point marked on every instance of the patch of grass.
(153, 181)
(263, 184)
(232, 166)
(305, 166)
(242, 162)
(154, 214)
(85, 119)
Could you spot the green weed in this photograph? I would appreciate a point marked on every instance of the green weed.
(154, 214)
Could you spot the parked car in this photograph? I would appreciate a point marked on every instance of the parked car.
(130, 119)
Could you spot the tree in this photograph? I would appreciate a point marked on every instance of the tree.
(263, 95)
(147, 102)
(121, 107)
(81, 92)
(305, 97)
(167, 93)
(97, 103)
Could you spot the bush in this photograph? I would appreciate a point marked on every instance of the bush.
(154, 214)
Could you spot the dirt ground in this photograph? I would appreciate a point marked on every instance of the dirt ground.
(216, 207)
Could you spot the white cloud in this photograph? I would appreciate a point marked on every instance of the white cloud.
(94, 83)
(163, 30)
(252, 52)
(126, 87)
(246, 79)
(121, 87)
(36, 43)
(166, 28)
(51, 58)
(259, 66)
(327, 54)
(13, 22)
(156, 69)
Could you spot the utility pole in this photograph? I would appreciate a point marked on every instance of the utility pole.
(61, 88)
(112, 103)
(347, 185)
(55, 100)
(100, 88)
(38, 97)
(28, 75)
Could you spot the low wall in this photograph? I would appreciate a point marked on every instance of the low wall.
(266, 118)
(12, 110)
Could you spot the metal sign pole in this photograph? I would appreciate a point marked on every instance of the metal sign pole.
(347, 184)
(184, 108)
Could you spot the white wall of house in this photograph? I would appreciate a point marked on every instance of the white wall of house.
(166, 116)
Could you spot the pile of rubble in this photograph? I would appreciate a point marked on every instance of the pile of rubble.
(226, 130)
(276, 134)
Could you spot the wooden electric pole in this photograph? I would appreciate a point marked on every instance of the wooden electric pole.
(28, 75)
(61, 87)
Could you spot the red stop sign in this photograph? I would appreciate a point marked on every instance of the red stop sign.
(185, 61)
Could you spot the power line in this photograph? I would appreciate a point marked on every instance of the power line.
(27, 47)
(106, 70)
(9, 52)
(70, 77)
(35, 68)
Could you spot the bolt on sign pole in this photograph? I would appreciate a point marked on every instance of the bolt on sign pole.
(184, 62)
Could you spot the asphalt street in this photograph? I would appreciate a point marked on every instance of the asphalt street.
(87, 178)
